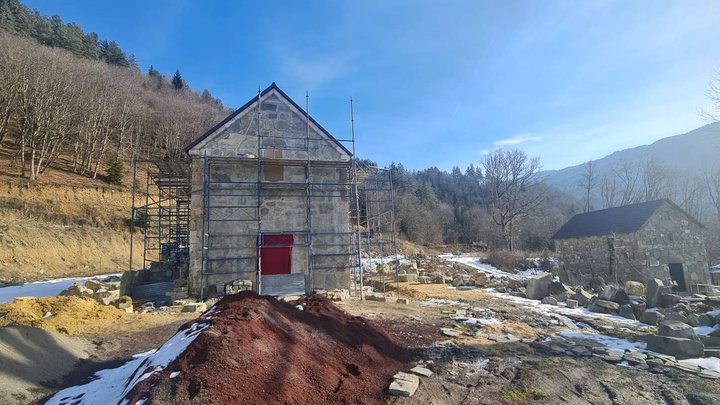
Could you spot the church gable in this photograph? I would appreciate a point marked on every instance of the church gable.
(283, 133)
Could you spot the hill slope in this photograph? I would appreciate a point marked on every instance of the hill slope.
(687, 154)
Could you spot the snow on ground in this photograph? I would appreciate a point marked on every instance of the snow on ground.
(484, 267)
(706, 330)
(45, 288)
(710, 363)
(604, 340)
(369, 262)
(112, 385)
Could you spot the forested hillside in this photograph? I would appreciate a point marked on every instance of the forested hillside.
(79, 102)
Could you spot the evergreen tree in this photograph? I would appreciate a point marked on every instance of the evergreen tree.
(111, 53)
(115, 171)
(177, 81)
(132, 62)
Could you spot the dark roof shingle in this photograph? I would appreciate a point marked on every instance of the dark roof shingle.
(625, 219)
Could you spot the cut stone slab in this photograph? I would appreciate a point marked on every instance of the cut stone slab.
(195, 307)
(539, 286)
(402, 301)
(571, 304)
(421, 371)
(549, 300)
(450, 332)
(678, 347)
(676, 329)
(582, 297)
(654, 291)
(626, 311)
(668, 300)
(652, 317)
(614, 294)
(404, 384)
(604, 306)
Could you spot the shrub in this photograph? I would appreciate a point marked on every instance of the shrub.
(508, 261)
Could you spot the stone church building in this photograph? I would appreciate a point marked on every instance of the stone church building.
(270, 203)
(639, 242)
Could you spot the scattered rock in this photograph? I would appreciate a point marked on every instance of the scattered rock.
(538, 286)
(654, 291)
(403, 301)
(614, 294)
(195, 307)
(651, 317)
(678, 347)
(77, 290)
(404, 384)
(571, 304)
(668, 300)
(421, 371)
(549, 300)
(94, 285)
(450, 332)
(677, 330)
(634, 288)
(582, 297)
(626, 311)
(603, 306)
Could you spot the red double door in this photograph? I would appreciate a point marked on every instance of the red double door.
(275, 254)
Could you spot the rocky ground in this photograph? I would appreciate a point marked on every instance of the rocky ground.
(512, 355)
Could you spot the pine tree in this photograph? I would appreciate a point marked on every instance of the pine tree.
(133, 63)
(115, 171)
(177, 81)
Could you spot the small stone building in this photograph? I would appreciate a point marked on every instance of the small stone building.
(654, 239)
(270, 203)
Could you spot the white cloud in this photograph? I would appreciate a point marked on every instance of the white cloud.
(516, 140)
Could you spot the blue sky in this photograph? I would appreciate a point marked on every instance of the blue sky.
(440, 83)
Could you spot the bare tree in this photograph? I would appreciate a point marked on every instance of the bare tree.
(713, 95)
(588, 183)
(514, 188)
(712, 181)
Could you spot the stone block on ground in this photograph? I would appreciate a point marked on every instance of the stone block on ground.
(195, 307)
(556, 287)
(538, 287)
(676, 329)
(408, 278)
(450, 332)
(106, 297)
(76, 290)
(614, 294)
(654, 290)
(678, 347)
(651, 317)
(404, 384)
(634, 288)
(402, 301)
(582, 297)
(549, 300)
(626, 311)
(571, 304)
(668, 300)
(94, 285)
(422, 371)
(605, 307)
(124, 303)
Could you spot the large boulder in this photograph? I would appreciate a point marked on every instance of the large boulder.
(654, 289)
(634, 288)
(614, 294)
(668, 300)
(582, 297)
(651, 317)
(626, 311)
(676, 329)
(556, 287)
(539, 286)
(604, 306)
(679, 347)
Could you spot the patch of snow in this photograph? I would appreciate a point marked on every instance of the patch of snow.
(112, 385)
(476, 263)
(45, 288)
(476, 321)
(174, 374)
(708, 363)
(714, 313)
(608, 341)
(705, 330)
(436, 302)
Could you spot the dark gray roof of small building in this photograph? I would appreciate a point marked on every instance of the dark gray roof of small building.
(625, 219)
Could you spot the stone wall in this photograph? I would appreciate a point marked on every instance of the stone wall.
(232, 175)
(669, 236)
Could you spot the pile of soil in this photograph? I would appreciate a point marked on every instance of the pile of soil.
(67, 315)
(261, 350)
(33, 361)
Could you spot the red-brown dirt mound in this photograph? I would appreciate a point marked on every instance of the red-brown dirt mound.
(261, 350)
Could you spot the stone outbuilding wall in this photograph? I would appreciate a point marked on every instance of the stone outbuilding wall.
(669, 238)
(229, 157)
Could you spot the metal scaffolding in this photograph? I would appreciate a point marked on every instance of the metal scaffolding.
(164, 218)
